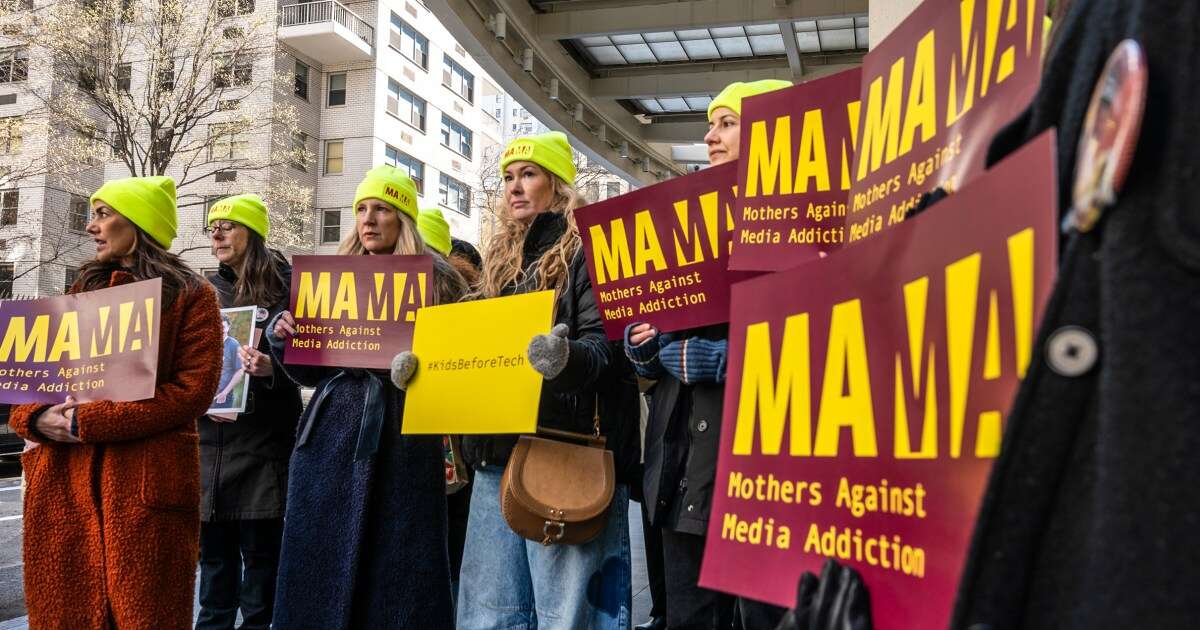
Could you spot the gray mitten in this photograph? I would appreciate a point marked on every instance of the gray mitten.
(548, 353)
(403, 366)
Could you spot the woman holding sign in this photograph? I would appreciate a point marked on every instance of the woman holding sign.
(113, 488)
(508, 581)
(364, 538)
(244, 457)
(681, 459)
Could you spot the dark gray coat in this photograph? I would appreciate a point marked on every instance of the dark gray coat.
(244, 464)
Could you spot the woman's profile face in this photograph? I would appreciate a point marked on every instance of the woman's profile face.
(528, 190)
(724, 136)
(378, 225)
(114, 235)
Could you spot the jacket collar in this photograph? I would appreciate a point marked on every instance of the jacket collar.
(544, 232)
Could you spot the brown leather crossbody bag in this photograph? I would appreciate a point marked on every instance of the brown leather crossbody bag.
(558, 486)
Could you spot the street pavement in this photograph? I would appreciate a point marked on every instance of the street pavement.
(12, 597)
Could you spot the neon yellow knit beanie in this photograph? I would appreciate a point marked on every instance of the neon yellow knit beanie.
(247, 209)
(434, 229)
(733, 93)
(149, 202)
(390, 185)
(549, 150)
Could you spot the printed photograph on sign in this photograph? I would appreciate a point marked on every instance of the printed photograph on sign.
(95, 345)
(934, 93)
(355, 311)
(863, 413)
(234, 384)
(794, 173)
(660, 254)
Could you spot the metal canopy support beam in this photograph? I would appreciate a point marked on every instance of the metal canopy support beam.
(699, 82)
(569, 24)
(792, 48)
(676, 132)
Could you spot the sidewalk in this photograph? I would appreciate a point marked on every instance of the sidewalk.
(641, 592)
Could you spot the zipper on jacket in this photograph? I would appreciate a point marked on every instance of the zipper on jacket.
(213, 491)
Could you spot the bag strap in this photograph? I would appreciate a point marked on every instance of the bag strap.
(595, 439)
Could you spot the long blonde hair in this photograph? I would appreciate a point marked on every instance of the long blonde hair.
(448, 286)
(504, 255)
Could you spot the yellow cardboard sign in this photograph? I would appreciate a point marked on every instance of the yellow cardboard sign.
(473, 374)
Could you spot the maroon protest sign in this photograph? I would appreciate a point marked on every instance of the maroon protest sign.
(98, 345)
(934, 93)
(355, 311)
(660, 254)
(794, 173)
(863, 413)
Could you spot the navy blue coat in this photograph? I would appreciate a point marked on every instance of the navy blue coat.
(364, 540)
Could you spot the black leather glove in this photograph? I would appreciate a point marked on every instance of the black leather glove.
(838, 600)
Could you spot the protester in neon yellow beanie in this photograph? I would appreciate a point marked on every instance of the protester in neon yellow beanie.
(148, 202)
(549, 150)
(434, 229)
(390, 185)
(247, 209)
(725, 117)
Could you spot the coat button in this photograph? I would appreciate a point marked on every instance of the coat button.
(1071, 351)
(702, 426)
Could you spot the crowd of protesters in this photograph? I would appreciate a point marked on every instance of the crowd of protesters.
(325, 516)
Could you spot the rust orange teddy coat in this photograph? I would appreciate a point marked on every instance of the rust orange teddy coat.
(112, 524)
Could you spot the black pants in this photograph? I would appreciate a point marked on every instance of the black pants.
(691, 607)
(652, 536)
(238, 564)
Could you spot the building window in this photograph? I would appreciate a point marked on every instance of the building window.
(231, 70)
(7, 271)
(123, 77)
(455, 194)
(14, 65)
(166, 79)
(299, 156)
(10, 135)
(89, 69)
(9, 199)
(77, 218)
(456, 77)
(408, 164)
(331, 226)
(613, 189)
(225, 143)
(456, 137)
(333, 157)
(301, 88)
(70, 274)
(230, 8)
(405, 105)
(337, 89)
(408, 42)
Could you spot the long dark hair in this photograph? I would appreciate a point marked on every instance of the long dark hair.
(260, 280)
(150, 260)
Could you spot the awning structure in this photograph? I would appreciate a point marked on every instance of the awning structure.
(630, 80)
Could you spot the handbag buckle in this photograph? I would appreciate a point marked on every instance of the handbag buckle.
(547, 537)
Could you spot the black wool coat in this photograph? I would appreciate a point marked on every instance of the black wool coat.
(1091, 518)
(244, 464)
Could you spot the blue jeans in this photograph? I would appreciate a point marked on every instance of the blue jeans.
(510, 583)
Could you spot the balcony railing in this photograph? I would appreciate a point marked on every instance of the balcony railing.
(326, 11)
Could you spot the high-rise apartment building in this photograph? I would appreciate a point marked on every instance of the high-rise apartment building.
(378, 82)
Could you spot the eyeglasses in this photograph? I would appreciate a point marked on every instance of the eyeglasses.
(223, 227)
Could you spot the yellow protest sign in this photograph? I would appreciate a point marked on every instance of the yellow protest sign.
(473, 375)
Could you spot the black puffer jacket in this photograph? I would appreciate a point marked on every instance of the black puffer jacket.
(596, 373)
(244, 464)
